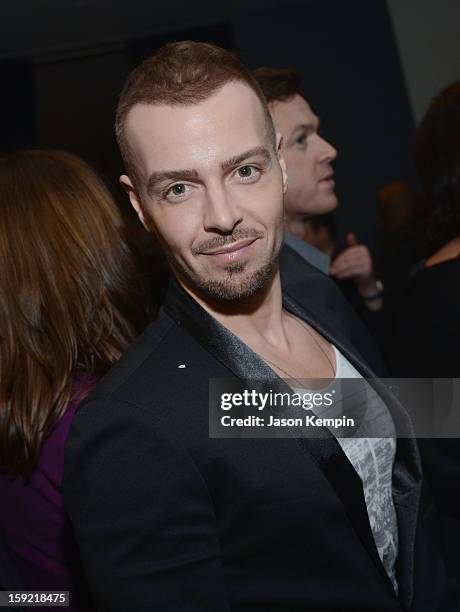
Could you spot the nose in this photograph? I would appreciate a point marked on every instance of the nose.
(327, 152)
(221, 214)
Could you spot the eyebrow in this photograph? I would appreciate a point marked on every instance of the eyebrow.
(169, 175)
(237, 159)
(191, 174)
(308, 127)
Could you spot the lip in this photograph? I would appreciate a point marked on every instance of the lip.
(327, 182)
(232, 252)
(234, 246)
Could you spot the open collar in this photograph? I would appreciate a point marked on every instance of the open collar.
(324, 450)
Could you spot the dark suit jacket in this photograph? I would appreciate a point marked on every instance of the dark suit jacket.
(168, 519)
(303, 280)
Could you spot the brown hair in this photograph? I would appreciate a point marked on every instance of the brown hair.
(437, 156)
(67, 301)
(278, 84)
(181, 73)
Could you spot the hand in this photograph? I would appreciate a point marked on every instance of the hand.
(355, 262)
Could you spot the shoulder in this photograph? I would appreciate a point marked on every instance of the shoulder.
(295, 269)
(307, 284)
(307, 252)
(448, 252)
(437, 283)
(316, 291)
(151, 366)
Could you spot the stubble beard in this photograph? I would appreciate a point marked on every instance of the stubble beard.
(236, 283)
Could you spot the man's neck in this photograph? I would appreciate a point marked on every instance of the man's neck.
(258, 318)
(295, 225)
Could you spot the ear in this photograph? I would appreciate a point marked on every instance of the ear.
(279, 143)
(134, 198)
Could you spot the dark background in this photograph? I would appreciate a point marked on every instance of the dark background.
(64, 94)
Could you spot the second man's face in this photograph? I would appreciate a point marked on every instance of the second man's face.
(308, 158)
(212, 189)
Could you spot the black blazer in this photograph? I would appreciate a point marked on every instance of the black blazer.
(168, 519)
(303, 280)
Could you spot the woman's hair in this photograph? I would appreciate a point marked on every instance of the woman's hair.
(69, 298)
(437, 153)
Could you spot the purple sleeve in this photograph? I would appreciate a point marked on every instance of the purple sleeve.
(32, 517)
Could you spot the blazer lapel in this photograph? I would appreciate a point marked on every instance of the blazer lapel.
(324, 450)
(224, 346)
(407, 471)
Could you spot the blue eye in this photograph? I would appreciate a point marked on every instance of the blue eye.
(177, 192)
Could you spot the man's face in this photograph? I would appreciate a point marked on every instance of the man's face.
(308, 158)
(212, 190)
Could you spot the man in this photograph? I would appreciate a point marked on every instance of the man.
(168, 518)
(310, 190)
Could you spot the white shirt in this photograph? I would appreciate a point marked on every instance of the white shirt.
(371, 449)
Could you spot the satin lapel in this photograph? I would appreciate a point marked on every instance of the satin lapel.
(407, 472)
(338, 469)
(214, 337)
(324, 450)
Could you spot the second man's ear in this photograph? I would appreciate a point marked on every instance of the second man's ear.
(134, 198)
(279, 144)
(284, 171)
